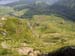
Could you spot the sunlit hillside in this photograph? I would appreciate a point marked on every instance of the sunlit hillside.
(4, 10)
(42, 32)
(37, 27)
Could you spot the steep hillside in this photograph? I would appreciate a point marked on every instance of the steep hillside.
(35, 27)
(45, 33)
(5, 10)
(21, 2)
(68, 3)
(65, 8)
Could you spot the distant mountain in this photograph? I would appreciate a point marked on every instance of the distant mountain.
(31, 2)
(65, 8)
(5, 10)
(20, 2)
(68, 3)
(34, 6)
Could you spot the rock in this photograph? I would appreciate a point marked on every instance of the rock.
(4, 45)
(4, 33)
(25, 50)
(37, 53)
(65, 51)
(28, 51)
(1, 24)
(31, 54)
(3, 18)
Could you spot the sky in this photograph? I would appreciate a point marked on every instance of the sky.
(9, 1)
(6, 1)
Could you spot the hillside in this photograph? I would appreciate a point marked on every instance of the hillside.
(4, 10)
(64, 8)
(34, 7)
(36, 27)
(45, 33)
(22, 2)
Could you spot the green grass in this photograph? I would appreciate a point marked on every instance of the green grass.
(20, 13)
(46, 33)
(4, 10)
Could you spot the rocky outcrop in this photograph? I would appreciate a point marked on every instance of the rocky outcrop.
(4, 45)
(65, 51)
(3, 18)
(28, 51)
(24, 50)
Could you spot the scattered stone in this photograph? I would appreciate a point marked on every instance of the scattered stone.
(4, 45)
(28, 51)
(3, 18)
(4, 33)
(37, 53)
(1, 24)
(31, 54)
(24, 50)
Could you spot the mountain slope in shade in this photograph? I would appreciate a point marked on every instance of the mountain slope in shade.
(31, 2)
(20, 2)
(68, 3)
(65, 8)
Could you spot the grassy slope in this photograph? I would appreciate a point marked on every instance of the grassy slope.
(4, 10)
(19, 13)
(46, 33)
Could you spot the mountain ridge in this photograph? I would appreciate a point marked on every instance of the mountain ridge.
(64, 8)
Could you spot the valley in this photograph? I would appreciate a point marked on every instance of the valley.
(34, 27)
